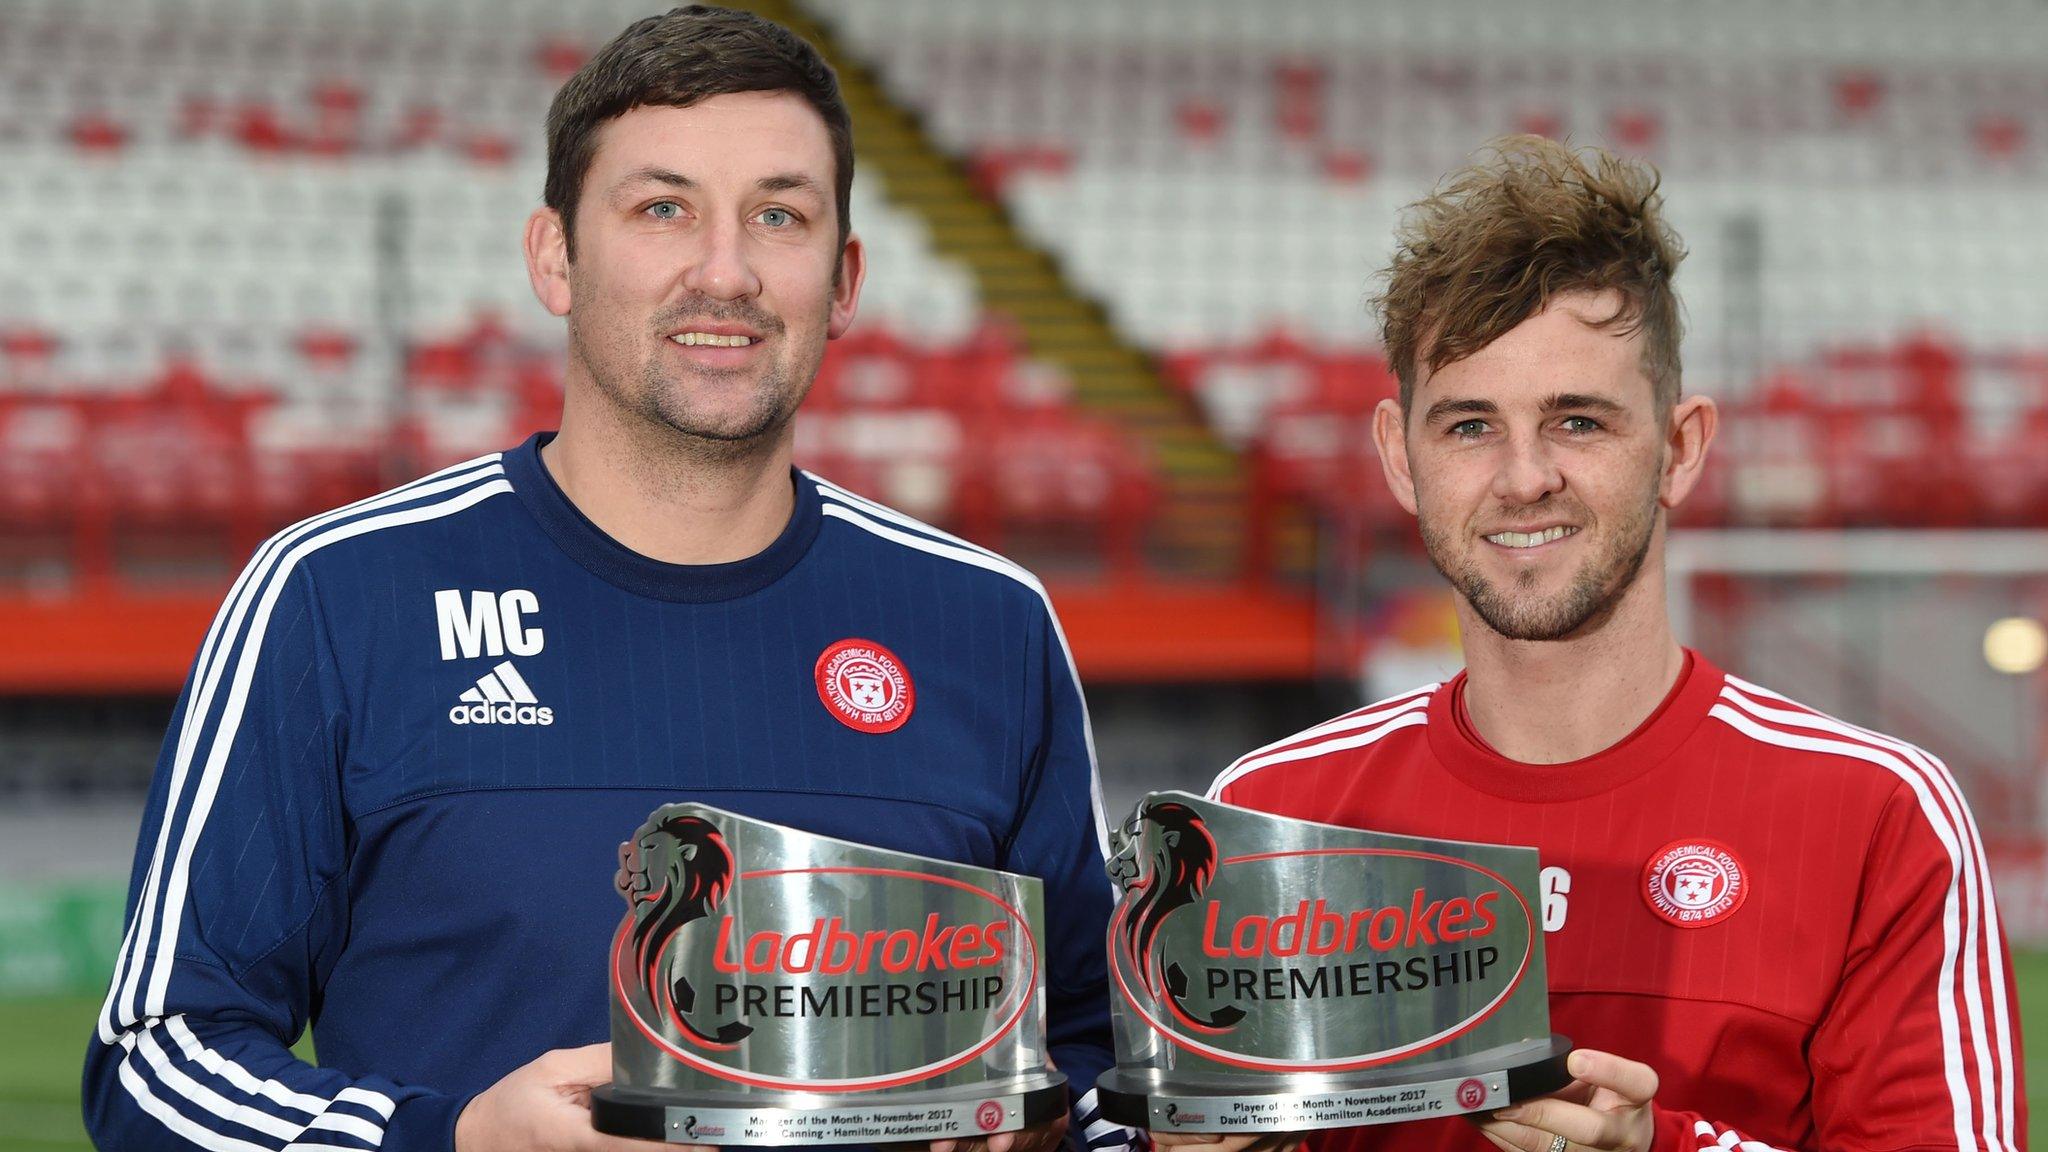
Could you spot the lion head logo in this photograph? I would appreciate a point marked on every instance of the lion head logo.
(1182, 861)
(677, 871)
(1178, 869)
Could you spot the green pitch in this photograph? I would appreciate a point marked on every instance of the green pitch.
(42, 1045)
(40, 1061)
(42, 1053)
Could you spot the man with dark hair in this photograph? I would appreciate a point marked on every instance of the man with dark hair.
(1765, 927)
(679, 59)
(395, 785)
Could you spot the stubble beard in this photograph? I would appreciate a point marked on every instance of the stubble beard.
(662, 398)
(663, 401)
(1518, 613)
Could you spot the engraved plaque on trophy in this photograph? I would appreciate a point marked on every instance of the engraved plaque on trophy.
(769, 986)
(1271, 974)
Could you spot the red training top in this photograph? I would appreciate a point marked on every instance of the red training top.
(1787, 916)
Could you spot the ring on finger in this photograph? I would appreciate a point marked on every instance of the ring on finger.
(1557, 1143)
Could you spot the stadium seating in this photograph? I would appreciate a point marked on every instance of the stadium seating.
(1888, 172)
(1856, 188)
(195, 246)
(288, 231)
(309, 217)
(1913, 433)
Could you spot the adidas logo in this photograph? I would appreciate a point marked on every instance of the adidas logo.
(501, 697)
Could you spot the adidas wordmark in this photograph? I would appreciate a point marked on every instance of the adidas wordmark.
(501, 696)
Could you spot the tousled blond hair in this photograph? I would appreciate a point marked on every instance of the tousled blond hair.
(1501, 238)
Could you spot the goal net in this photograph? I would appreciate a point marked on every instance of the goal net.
(1933, 637)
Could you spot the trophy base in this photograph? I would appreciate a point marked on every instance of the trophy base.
(1476, 1083)
(678, 1116)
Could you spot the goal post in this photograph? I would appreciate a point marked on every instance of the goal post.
(1935, 637)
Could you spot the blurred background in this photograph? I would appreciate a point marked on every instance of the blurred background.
(261, 257)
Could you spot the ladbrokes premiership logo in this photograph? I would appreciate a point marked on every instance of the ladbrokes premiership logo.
(696, 977)
(1693, 883)
(773, 987)
(1231, 957)
(1275, 974)
(864, 686)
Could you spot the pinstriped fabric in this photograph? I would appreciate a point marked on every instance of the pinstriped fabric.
(335, 866)
(890, 524)
(1861, 993)
(1095, 1132)
(1355, 729)
(1981, 1079)
(251, 1106)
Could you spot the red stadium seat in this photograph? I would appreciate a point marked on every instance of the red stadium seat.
(1858, 92)
(1999, 137)
(558, 58)
(1636, 129)
(1054, 472)
(1200, 121)
(493, 148)
(1776, 450)
(420, 125)
(259, 128)
(994, 168)
(93, 132)
(43, 447)
(27, 356)
(1299, 94)
(1346, 165)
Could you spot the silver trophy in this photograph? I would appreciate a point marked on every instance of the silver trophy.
(769, 986)
(1271, 974)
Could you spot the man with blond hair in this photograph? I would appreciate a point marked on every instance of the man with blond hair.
(1765, 927)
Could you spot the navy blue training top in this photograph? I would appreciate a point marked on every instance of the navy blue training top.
(391, 798)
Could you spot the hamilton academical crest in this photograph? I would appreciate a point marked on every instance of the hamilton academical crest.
(1692, 883)
(864, 686)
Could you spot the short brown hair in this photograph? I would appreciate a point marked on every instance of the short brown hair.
(677, 59)
(1500, 238)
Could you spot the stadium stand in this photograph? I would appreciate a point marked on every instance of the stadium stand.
(285, 233)
(1863, 194)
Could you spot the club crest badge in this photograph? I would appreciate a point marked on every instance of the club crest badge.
(989, 1116)
(864, 686)
(1692, 883)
